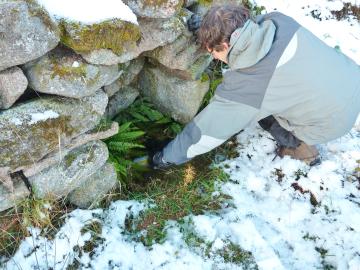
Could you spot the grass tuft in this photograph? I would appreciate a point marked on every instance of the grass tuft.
(45, 214)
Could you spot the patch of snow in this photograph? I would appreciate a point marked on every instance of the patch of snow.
(75, 64)
(16, 121)
(345, 33)
(37, 117)
(89, 11)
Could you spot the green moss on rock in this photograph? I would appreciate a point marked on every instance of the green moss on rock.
(205, 2)
(112, 34)
(204, 77)
(47, 133)
(159, 3)
(68, 71)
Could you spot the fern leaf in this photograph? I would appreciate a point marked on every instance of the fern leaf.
(164, 120)
(176, 128)
(152, 114)
(128, 136)
(124, 127)
(139, 117)
(123, 147)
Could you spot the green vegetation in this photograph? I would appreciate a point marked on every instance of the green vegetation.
(214, 74)
(138, 124)
(122, 150)
(255, 10)
(111, 34)
(68, 72)
(46, 214)
(230, 252)
(145, 117)
(178, 192)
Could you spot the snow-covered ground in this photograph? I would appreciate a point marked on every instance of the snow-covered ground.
(272, 213)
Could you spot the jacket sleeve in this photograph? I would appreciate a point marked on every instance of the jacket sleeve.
(215, 124)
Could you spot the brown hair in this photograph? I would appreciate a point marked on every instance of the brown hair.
(219, 23)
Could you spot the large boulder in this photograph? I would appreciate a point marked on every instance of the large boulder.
(121, 100)
(183, 57)
(13, 83)
(129, 71)
(31, 130)
(73, 170)
(65, 73)
(154, 33)
(173, 96)
(26, 32)
(103, 130)
(95, 187)
(154, 9)
(115, 35)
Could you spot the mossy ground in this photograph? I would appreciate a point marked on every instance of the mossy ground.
(177, 192)
(229, 253)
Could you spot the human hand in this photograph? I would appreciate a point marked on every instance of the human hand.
(156, 161)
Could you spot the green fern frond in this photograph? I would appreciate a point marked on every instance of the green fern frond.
(176, 128)
(150, 113)
(128, 136)
(123, 147)
(139, 116)
(124, 127)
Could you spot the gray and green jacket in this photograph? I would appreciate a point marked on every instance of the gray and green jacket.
(310, 88)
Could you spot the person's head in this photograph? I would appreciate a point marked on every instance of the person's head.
(217, 26)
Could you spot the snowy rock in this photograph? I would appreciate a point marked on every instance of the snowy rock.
(154, 9)
(33, 129)
(89, 12)
(128, 73)
(115, 35)
(95, 187)
(178, 98)
(201, 7)
(12, 84)
(183, 57)
(26, 32)
(154, 33)
(9, 199)
(188, 3)
(73, 170)
(121, 100)
(64, 73)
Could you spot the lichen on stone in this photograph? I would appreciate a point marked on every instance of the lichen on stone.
(68, 71)
(111, 34)
(35, 10)
(159, 3)
(103, 125)
(205, 2)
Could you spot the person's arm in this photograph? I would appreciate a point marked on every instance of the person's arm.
(215, 124)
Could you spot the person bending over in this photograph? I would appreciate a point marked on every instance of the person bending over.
(280, 74)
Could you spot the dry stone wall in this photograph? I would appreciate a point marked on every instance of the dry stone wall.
(81, 74)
